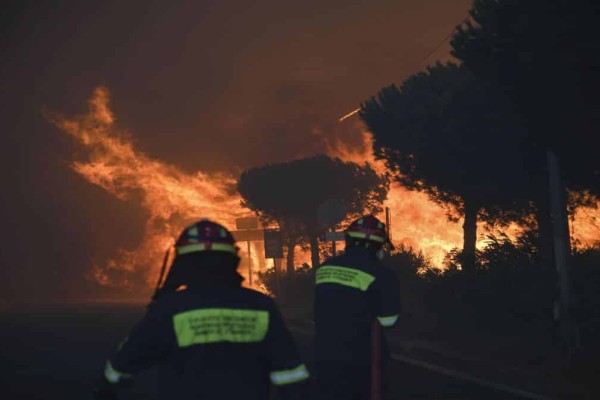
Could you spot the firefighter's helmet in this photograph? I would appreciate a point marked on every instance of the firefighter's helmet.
(205, 235)
(367, 228)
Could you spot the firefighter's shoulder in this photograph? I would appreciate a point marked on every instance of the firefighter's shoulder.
(335, 260)
(209, 297)
(259, 298)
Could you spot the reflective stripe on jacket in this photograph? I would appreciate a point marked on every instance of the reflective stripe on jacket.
(211, 343)
(352, 290)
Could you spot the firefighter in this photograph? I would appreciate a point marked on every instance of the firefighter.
(209, 337)
(354, 294)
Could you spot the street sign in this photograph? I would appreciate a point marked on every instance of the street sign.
(335, 236)
(248, 235)
(273, 244)
(246, 223)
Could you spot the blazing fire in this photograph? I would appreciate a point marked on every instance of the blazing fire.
(585, 226)
(415, 220)
(421, 224)
(174, 198)
(171, 197)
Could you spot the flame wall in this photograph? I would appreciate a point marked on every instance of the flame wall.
(174, 198)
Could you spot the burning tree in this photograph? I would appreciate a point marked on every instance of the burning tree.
(290, 194)
(442, 135)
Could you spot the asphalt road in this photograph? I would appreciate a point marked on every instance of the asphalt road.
(58, 351)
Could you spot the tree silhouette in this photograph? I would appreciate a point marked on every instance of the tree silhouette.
(545, 56)
(290, 193)
(445, 136)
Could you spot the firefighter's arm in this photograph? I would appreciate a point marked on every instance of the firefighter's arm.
(287, 371)
(388, 298)
(147, 343)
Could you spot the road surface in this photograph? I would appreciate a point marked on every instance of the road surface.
(56, 352)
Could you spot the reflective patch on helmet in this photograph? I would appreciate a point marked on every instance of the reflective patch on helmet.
(344, 276)
(193, 231)
(197, 247)
(362, 235)
(213, 325)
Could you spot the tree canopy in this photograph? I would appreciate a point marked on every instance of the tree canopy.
(290, 193)
(545, 56)
(443, 135)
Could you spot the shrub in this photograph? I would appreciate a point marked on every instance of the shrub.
(294, 288)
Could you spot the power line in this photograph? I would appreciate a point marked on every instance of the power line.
(446, 38)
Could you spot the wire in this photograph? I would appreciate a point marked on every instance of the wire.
(448, 36)
(445, 40)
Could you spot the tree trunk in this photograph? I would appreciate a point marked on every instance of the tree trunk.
(469, 236)
(291, 246)
(260, 250)
(544, 226)
(314, 249)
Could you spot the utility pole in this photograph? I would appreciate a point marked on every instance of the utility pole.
(562, 251)
(388, 223)
(333, 249)
(249, 265)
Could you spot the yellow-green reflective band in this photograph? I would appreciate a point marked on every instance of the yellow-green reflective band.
(112, 375)
(344, 276)
(361, 235)
(285, 377)
(388, 321)
(191, 248)
(214, 325)
(193, 231)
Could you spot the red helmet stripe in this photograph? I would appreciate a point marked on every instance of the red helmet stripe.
(368, 228)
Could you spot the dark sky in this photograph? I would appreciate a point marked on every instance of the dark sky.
(205, 85)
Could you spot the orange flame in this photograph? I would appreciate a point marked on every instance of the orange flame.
(423, 225)
(172, 197)
(415, 220)
(585, 226)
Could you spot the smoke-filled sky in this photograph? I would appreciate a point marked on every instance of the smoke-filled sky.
(204, 85)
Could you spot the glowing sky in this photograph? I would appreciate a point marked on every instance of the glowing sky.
(211, 86)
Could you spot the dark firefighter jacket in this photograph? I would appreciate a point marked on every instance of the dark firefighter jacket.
(213, 343)
(352, 290)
